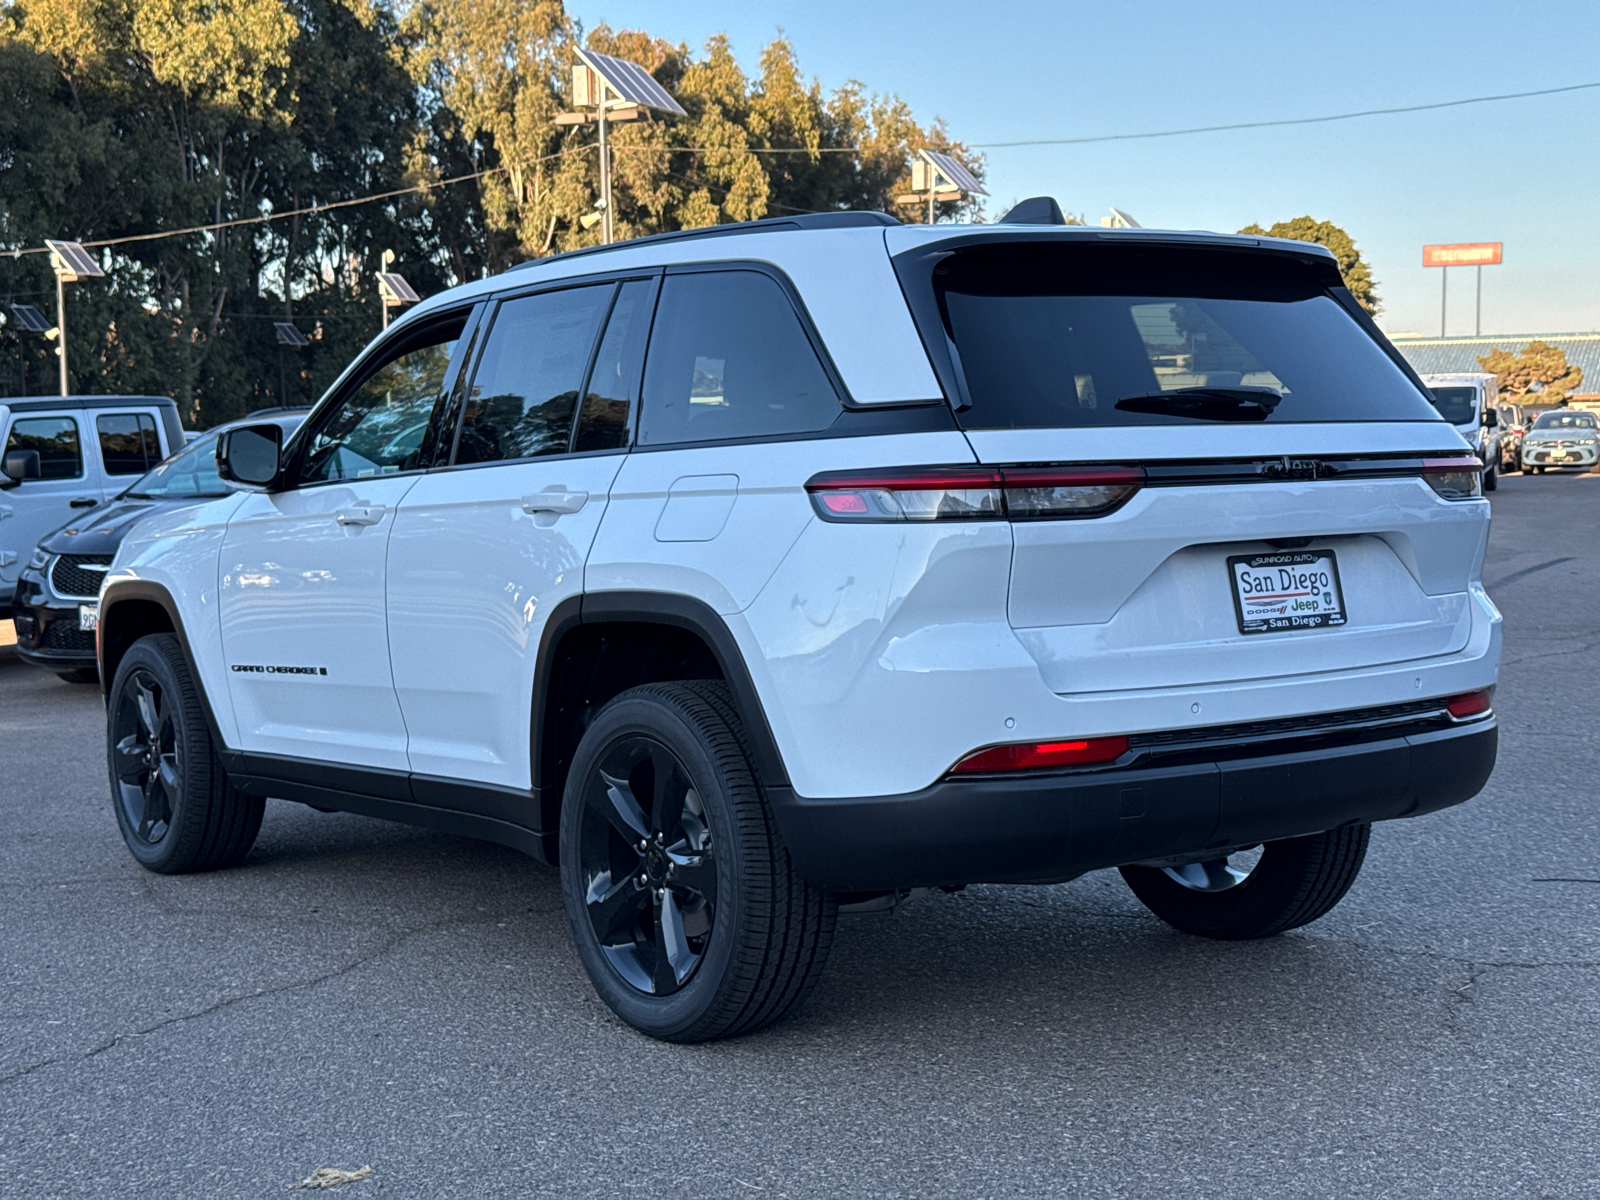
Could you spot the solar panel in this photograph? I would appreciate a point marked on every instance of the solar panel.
(73, 259)
(631, 82)
(289, 335)
(395, 289)
(29, 319)
(957, 174)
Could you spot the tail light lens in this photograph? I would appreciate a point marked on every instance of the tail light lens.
(968, 493)
(1454, 478)
(1470, 704)
(1036, 756)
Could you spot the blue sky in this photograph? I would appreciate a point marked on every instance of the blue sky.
(1522, 172)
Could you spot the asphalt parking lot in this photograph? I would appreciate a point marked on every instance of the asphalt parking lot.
(365, 994)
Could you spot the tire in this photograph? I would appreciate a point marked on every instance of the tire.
(79, 675)
(1296, 881)
(725, 937)
(174, 804)
(1491, 479)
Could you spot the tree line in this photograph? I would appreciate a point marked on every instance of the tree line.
(194, 119)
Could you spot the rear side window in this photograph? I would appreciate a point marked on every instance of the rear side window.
(729, 359)
(56, 440)
(1056, 335)
(128, 443)
(525, 390)
(605, 420)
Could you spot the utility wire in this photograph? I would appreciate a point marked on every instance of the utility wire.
(1365, 112)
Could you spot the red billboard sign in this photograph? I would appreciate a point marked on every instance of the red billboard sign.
(1470, 254)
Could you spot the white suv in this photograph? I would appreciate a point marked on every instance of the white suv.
(763, 570)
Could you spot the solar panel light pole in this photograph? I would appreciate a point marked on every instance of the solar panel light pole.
(288, 335)
(26, 321)
(393, 289)
(71, 263)
(938, 177)
(617, 90)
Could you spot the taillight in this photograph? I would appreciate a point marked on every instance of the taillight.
(968, 493)
(1036, 756)
(1469, 704)
(1454, 478)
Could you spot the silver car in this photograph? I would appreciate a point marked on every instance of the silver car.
(1562, 438)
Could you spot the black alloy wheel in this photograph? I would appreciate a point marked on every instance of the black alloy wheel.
(145, 767)
(690, 919)
(173, 801)
(649, 866)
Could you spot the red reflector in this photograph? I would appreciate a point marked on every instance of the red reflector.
(1468, 704)
(843, 502)
(1034, 756)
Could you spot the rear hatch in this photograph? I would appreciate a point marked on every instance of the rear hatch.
(1287, 520)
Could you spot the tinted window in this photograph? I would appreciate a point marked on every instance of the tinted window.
(56, 440)
(1458, 405)
(604, 421)
(1089, 334)
(378, 428)
(729, 359)
(128, 443)
(525, 388)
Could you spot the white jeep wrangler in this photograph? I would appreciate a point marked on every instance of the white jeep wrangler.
(755, 571)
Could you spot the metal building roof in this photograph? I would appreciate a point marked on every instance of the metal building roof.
(1439, 356)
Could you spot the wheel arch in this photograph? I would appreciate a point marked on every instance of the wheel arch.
(134, 608)
(598, 645)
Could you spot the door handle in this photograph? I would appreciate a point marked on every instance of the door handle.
(369, 515)
(82, 502)
(554, 502)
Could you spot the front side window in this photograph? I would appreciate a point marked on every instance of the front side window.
(128, 443)
(729, 359)
(56, 440)
(525, 388)
(378, 429)
(1051, 335)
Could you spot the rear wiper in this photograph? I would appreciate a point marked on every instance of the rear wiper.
(1207, 403)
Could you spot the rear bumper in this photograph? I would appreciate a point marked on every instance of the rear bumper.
(1047, 828)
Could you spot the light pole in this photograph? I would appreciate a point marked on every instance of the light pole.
(617, 90)
(939, 177)
(71, 263)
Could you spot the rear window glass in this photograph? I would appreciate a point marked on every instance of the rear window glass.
(1059, 335)
(1458, 405)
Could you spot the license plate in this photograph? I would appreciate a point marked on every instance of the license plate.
(1292, 590)
(1558, 454)
(88, 616)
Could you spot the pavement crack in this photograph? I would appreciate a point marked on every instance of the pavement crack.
(1583, 649)
(229, 1001)
(1526, 571)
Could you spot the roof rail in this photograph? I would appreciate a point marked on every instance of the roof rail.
(800, 221)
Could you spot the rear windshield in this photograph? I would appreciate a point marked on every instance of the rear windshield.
(1055, 335)
(1458, 405)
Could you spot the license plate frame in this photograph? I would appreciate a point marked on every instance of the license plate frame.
(88, 617)
(1323, 608)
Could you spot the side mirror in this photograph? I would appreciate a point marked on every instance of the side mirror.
(1490, 419)
(20, 465)
(249, 455)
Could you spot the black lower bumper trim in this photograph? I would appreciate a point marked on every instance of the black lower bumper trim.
(1037, 829)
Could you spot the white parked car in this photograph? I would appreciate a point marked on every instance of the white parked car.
(755, 571)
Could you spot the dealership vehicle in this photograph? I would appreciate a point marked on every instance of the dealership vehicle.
(756, 571)
(58, 592)
(1512, 425)
(1562, 438)
(64, 454)
(1470, 402)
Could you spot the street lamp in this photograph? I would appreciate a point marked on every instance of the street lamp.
(393, 289)
(27, 321)
(617, 90)
(939, 177)
(288, 335)
(71, 263)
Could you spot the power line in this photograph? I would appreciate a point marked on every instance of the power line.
(1366, 112)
